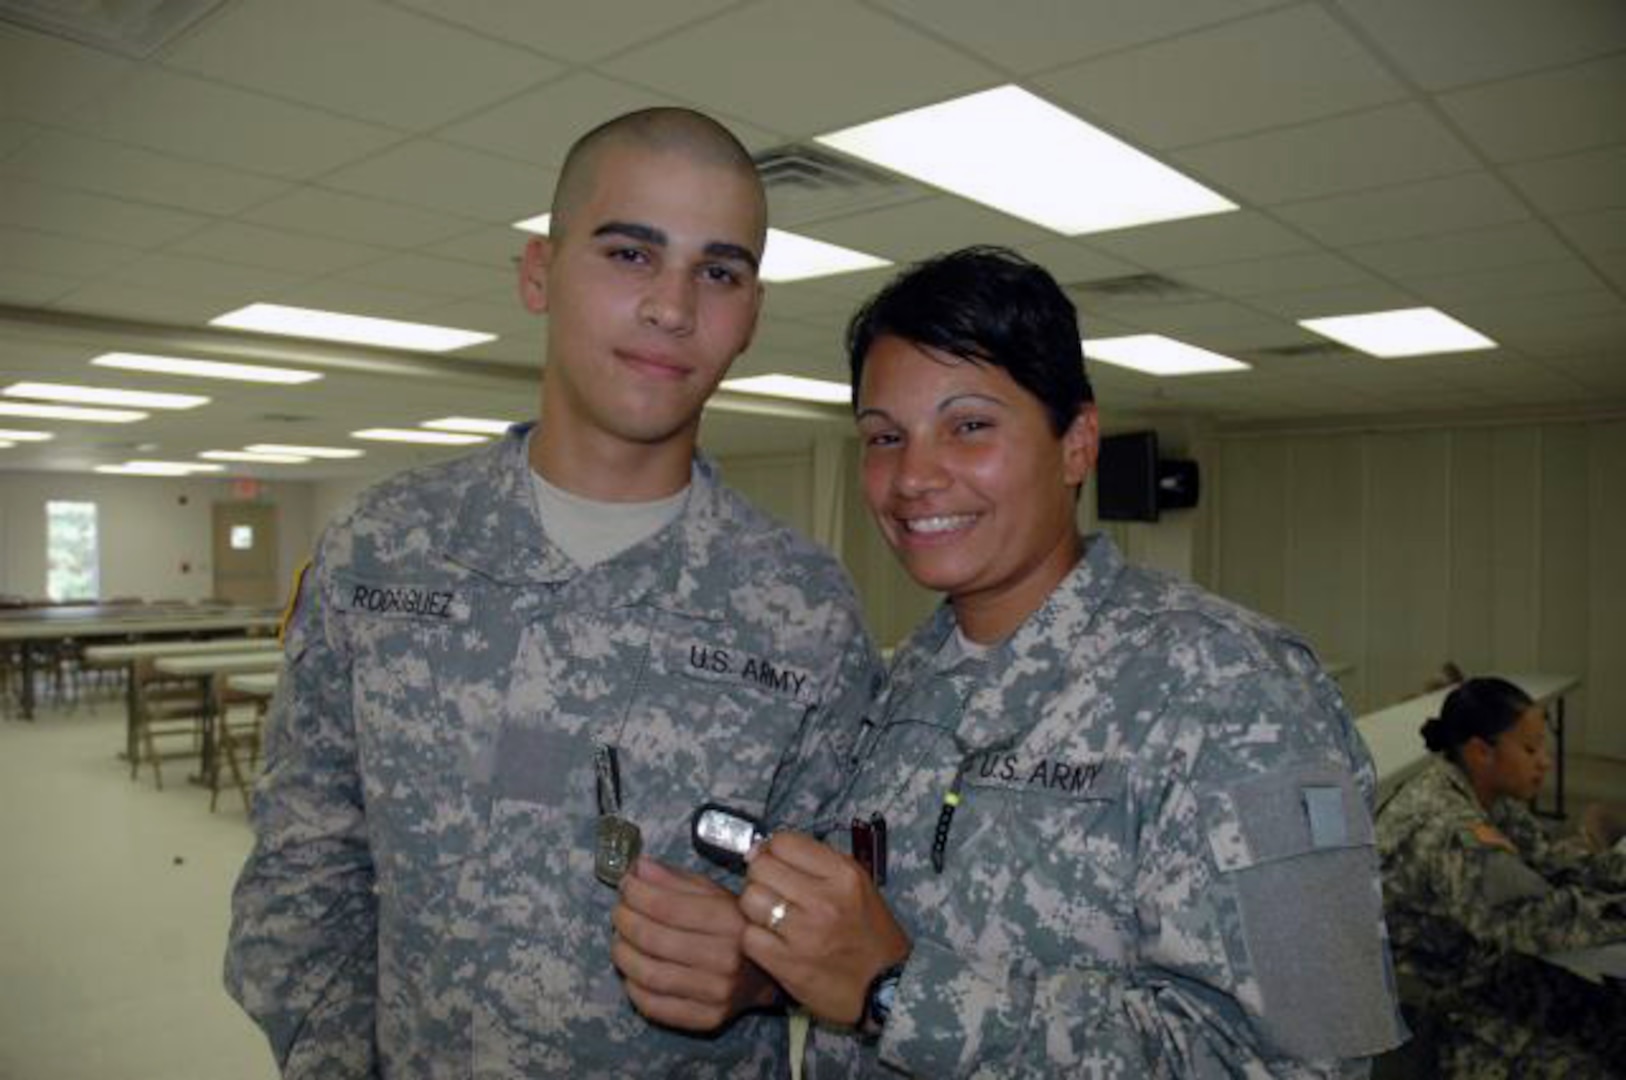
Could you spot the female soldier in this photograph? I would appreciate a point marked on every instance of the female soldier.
(1128, 823)
(1476, 893)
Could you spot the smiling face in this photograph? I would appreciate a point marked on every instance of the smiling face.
(968, 481)
(651, 291)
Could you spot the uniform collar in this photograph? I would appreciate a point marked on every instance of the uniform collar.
(498, 534)
(1024, 670)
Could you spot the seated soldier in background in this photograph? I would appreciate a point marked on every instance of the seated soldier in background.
(1476, 894)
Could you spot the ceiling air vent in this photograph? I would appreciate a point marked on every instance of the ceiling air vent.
(135, 28)
(808, 183)
(1138, 288)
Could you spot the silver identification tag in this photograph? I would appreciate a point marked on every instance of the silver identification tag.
(618, 841)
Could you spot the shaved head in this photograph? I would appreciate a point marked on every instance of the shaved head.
(662, 130)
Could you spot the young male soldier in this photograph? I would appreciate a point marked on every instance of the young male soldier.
(501, 668)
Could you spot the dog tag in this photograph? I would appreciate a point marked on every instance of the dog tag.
(618, 841)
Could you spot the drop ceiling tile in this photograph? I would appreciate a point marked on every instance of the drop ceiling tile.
(1461, 253)
(205, 121)
(63, 256)
(1447, 43)
(1595, 232)
(1071, 261)
(1030, 35)
(1184, 320)
(784, 51)
(344, 216)
(1267, 275)
(452, 179)
(357, 298)
(1605, 375)
(130, 172)
(1553, 112)
(306, 50)
(798, 300)
(540, 124)
(1613, 266)
(226, 284)
(1590, 334)
(122, 300)
(14, 135)
(24, 288)
(251, 245)
(925, 227)
(856, 287)
(488, 246)
(26, 204)
(1216, 238)
(1390, 145)
(1339, 300)
(46, 78)
(1595, 180)
(1450, 204)
(1537, 281)
(581, 32)
(426, 274)
(1281, 67)
(511, 321)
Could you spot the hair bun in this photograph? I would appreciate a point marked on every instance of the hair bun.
(1434, 736)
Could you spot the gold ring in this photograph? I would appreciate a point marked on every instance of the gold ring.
(776, 915)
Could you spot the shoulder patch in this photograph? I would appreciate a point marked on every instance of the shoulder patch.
(1491, 836)
(292, 606)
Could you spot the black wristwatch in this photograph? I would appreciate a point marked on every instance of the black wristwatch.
(878, 999)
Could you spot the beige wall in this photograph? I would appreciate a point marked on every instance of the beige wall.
(1498, 547)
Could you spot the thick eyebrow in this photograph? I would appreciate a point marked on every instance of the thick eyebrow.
(716, 249)
(942, 406)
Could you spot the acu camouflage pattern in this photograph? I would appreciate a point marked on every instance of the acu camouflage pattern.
(421, 901)
(1134, 761)
(1469, 920)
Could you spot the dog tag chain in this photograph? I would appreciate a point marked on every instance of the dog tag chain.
(618, 839)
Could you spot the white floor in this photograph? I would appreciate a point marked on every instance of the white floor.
(113, 912)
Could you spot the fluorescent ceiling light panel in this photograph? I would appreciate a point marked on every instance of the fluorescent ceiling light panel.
(1403, 332)
(249, 455)
(204, 369)
(469, 425)
(356, 329)
(333, 452)
(790, 257)
(537, 224)
(96, 395)
(792, 386)
(1154, 354)
(6, 444)
(417, 435)
(131, 469)
(183, 466)
(1020, 154)
(70, 412)
(13, 435)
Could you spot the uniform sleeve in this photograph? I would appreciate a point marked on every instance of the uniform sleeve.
(813, 772)
(1259, 947)
(1501, 899)
(1561, 861)
(302, 955)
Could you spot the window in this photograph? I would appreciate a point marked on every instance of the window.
(73, 568)
(242, 538)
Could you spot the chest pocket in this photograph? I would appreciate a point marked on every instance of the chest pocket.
(425, 683)
(712, 720)
(1057, 827)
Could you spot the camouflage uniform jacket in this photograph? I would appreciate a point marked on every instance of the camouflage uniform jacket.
(1459, 903)
(421, 901)
(1162, 862)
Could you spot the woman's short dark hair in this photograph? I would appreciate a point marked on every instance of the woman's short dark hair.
(987, 305)
(1479, 708)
